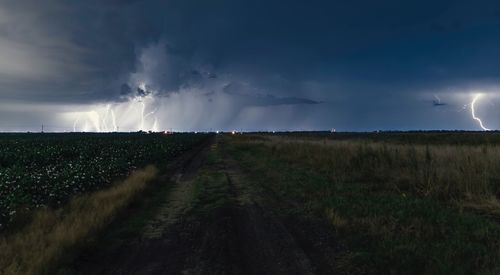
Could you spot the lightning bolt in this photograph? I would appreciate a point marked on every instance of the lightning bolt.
(438, 99)
(104, 121)
(473, 112)
(113, 119)
(155, 125)
(76, 123)
(135, 114)
(143, 108)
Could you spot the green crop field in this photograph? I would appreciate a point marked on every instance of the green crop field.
(38, 170)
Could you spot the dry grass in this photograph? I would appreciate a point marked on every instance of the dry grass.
(400, 208)
(335, 218)
(463, 174)
(37, 247)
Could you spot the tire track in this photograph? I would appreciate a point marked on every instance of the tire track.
(243, 235)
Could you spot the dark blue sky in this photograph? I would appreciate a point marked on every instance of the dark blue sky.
(228, 64)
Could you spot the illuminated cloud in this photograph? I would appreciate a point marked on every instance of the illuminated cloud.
(331, 64)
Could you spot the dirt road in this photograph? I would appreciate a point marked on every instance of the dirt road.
(212, 221)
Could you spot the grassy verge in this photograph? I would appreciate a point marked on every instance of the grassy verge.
(211, 193)
(211, 189)
(36, 248)
(394, 207)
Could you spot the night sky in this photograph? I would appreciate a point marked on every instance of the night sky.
(248, 65)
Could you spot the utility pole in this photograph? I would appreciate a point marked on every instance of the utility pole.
(42, 128)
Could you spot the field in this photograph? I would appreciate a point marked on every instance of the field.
(419, 203)
(40, 170)
(287, 203)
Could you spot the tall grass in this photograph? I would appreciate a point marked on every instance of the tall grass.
(400, 208)
(447, 172)
(37, 247)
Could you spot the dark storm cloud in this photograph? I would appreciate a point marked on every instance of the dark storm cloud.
(245, 97)
(362, 57)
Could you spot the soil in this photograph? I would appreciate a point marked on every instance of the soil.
(245, 236)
